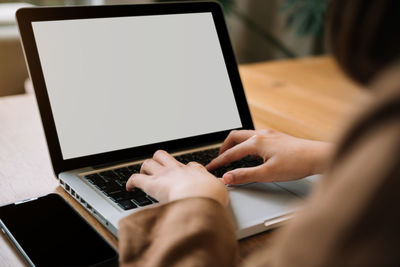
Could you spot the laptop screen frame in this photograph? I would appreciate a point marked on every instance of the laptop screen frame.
(26, 16)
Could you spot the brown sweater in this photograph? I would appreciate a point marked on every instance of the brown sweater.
(352, 218)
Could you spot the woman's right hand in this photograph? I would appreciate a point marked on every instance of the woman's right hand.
(285, 157)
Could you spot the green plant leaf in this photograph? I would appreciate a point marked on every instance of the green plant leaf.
(306, 16)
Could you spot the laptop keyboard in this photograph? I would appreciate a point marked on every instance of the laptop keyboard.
(112, 182)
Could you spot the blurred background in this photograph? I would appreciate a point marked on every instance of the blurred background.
(260, 30)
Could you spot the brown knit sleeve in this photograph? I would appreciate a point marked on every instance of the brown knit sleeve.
(188, 232)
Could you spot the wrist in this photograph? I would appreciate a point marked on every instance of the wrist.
(321, 153)
(214, 191)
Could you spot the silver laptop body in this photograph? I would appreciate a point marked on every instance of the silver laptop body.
(116, 83)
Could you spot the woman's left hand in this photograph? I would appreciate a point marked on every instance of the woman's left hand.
(166, 179)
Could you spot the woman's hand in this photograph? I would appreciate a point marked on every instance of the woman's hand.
(166, 179)
(285, 157)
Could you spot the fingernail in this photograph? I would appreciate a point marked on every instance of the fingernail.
(227, 178)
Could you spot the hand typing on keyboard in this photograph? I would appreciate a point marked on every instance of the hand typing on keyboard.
(167, 179)
(245, 156)
(112, 183)
(285, 157)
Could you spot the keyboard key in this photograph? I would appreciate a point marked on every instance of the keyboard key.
(137, 192)
(111, 188)
(181, 159)
(109, 175)
(119, 196)
(127, 205)
(203, 157)
(121, 183)
(122, 195)
(152, 199)
(219, 172)
(95, 179)
(110, 192)
(142, 201)
(101, 187)
(135, 168)
(123, 173)
(212, 153)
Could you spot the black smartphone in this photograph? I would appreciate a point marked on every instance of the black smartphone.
(51, 233)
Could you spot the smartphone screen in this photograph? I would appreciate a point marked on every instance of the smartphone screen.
(52, 233)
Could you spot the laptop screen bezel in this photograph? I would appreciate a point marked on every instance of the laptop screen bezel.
(26, 16)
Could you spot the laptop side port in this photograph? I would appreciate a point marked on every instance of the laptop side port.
(100, 218)
(67, 187)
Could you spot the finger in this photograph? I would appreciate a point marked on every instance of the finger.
(247, 175)
(165, 159)
(234, 138)
(150, 167)
(194, 164)
(233, 154)
(142, 181)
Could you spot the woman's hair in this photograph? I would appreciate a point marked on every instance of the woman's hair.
(364, 35)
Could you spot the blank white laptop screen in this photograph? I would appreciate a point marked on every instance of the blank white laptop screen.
(117, 83)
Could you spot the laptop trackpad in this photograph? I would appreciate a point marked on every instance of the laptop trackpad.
(254, 203)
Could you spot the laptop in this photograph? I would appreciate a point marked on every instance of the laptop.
(116, 83)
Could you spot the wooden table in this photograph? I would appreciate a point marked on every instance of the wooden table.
(305, 97)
